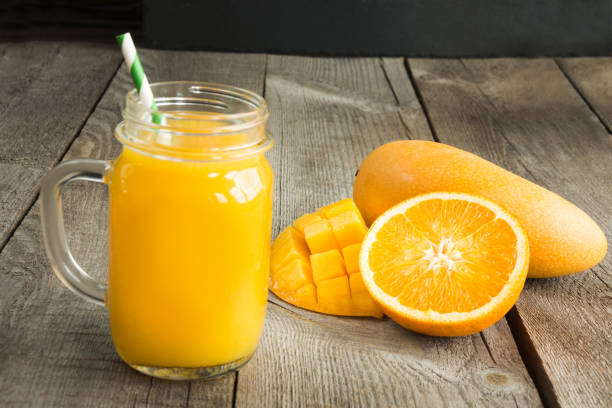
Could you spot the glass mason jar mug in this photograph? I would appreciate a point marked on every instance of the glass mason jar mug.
(189, 230)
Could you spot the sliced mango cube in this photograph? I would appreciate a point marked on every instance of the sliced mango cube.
(335, 294)
(351, 258)
(287, 234)
(346, 205)
(320, 237)
(291, 246)
(306, 296)
(327, 265)
(315, 263)
(356, 283)
(292, 276)
(301, 223)
(348, 228)
(364, 305)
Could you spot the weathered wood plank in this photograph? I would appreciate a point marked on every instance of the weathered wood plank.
(593, 79)
(525, 116)
(47, 91)
(56, 348)
(327, 115)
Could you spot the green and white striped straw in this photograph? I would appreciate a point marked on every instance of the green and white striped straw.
(128, 49)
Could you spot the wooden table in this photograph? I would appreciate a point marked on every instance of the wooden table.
(548, 120)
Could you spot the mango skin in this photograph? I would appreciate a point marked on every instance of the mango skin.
(563, 239)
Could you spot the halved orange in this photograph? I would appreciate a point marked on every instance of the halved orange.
(445, 264)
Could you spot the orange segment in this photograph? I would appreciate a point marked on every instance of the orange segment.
(445, 264)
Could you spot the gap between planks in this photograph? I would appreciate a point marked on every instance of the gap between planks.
(582, 96)
(34, 196)
(527, 350)
(538, 366)
(419, 96)
(531, 359)
(523, 343)
(307, 83)
(235, 390)
(99, 143)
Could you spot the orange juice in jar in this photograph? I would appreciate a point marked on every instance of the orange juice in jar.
(189, 233)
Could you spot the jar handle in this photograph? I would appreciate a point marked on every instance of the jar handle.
(54, 235)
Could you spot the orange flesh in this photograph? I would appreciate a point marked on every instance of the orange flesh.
(444, 255)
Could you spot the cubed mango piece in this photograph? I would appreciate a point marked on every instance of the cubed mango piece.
(348, 228)
(292, 276)
(315, 263)
(351, 258)
(330, 211)
(356, 283)
(305, 220)
(306, 297)
(334, 295)
(364, 305)
(283, 253)
(320, 237)
(287, 234)
(327, 265)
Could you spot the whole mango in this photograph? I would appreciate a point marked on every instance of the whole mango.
(563, 239)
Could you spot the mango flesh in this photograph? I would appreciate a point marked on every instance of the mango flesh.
(314, 264)
(320, 237)
(562, 238)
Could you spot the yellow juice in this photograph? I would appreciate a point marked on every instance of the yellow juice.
(188, 258)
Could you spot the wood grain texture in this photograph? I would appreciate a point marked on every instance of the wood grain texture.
(56, 348)
(525, 116)
(592, 77)
(47, 91)
(326, 116)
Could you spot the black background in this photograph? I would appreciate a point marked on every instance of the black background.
(438, 28)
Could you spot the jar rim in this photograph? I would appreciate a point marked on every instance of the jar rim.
(197, 121)
(159, 152)
(244, 119)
